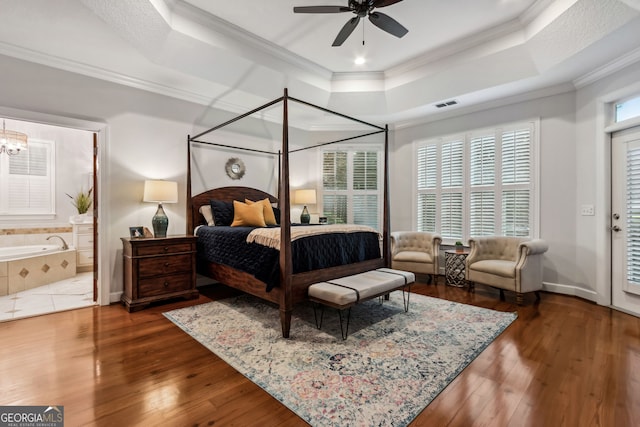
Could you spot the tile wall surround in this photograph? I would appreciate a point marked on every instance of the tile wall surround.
(36, 230)
(34, 236)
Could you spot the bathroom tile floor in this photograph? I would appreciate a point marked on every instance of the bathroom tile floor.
(76, 292)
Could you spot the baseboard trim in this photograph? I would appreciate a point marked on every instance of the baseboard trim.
(576, 291)
(115, 297)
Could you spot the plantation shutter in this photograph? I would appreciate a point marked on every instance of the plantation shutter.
(334, 171)
(427, 175)
(482, 213)
(365, 170)
(478, 184)
(335, 208)
(452, 176)
(516, 172)
(427, 212)
(516, 157)
(427, 167)
(351, 187)
(451, 220)
(482, 165)
(28, 181)
(633, 215)
(452, 164)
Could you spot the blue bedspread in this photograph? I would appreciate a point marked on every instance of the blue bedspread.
(228, 246)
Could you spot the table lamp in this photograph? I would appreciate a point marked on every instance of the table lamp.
(305, 197)
(160, 192)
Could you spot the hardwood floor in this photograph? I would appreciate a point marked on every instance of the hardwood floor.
(563, 362)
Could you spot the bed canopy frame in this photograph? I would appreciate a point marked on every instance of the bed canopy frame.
(292, 287)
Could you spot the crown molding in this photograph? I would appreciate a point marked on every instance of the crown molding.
(608, 69)
(113, 77)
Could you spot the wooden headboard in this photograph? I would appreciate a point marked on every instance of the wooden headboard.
(227, 194)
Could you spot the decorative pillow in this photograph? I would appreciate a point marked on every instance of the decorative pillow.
(222, 212)
(276, 214)
(205, 210)
(248, 215)
(269, 217)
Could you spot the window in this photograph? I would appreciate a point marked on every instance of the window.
(27, 180)
(352, 186)
(628, 109)
(477, 184)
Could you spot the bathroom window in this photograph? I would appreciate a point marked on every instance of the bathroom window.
(27, 180)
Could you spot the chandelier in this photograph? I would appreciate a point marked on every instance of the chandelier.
(12, 142)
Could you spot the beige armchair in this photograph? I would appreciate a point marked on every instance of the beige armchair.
(416, 251)
(510, 263)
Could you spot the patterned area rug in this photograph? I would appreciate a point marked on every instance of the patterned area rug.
(392, 365)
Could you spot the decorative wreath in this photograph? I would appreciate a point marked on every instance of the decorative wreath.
(235, 168)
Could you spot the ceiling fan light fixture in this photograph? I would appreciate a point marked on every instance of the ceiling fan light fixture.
(361, 9)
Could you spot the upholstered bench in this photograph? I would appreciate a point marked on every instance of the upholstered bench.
(345, 292)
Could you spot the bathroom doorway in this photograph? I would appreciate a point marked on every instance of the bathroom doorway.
(62, 160)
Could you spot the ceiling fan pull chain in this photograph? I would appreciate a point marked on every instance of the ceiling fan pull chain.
(363, 33)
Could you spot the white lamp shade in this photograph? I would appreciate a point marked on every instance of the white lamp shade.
(160, 191)
(305, 197)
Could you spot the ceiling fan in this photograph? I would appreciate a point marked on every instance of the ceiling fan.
(361, 9)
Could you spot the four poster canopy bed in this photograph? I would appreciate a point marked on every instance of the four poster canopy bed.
(275, 261)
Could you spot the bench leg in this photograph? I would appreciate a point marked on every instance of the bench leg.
(406, 301)
(344, 331)
(315, 315)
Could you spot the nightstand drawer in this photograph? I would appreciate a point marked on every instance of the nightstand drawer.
(164, 249)
(164, 285)
(150, 267)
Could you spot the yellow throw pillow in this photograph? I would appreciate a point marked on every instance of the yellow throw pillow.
(247, 215)
(269, 216)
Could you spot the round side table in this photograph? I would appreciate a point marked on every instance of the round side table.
(454, 267)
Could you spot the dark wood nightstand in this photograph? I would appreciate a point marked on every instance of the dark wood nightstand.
(158, 269)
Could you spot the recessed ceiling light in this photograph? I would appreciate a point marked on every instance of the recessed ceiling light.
(359, 60)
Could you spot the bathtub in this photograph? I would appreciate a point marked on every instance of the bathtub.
(18, 252)
(28, 267)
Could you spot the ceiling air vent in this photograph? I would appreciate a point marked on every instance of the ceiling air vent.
(446, 103)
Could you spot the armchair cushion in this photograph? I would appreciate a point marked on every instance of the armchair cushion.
(496, 266)
(413, 256)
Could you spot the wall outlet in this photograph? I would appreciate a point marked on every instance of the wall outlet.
(587, 210)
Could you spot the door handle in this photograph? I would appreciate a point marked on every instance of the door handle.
(615, 228)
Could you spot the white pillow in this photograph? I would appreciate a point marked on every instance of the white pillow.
(205, 210)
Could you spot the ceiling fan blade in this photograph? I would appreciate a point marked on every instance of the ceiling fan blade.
(346, 31)
(320, 9)
(383, 3)
(388, 24)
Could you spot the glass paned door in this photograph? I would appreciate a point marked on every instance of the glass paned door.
(625, 220)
